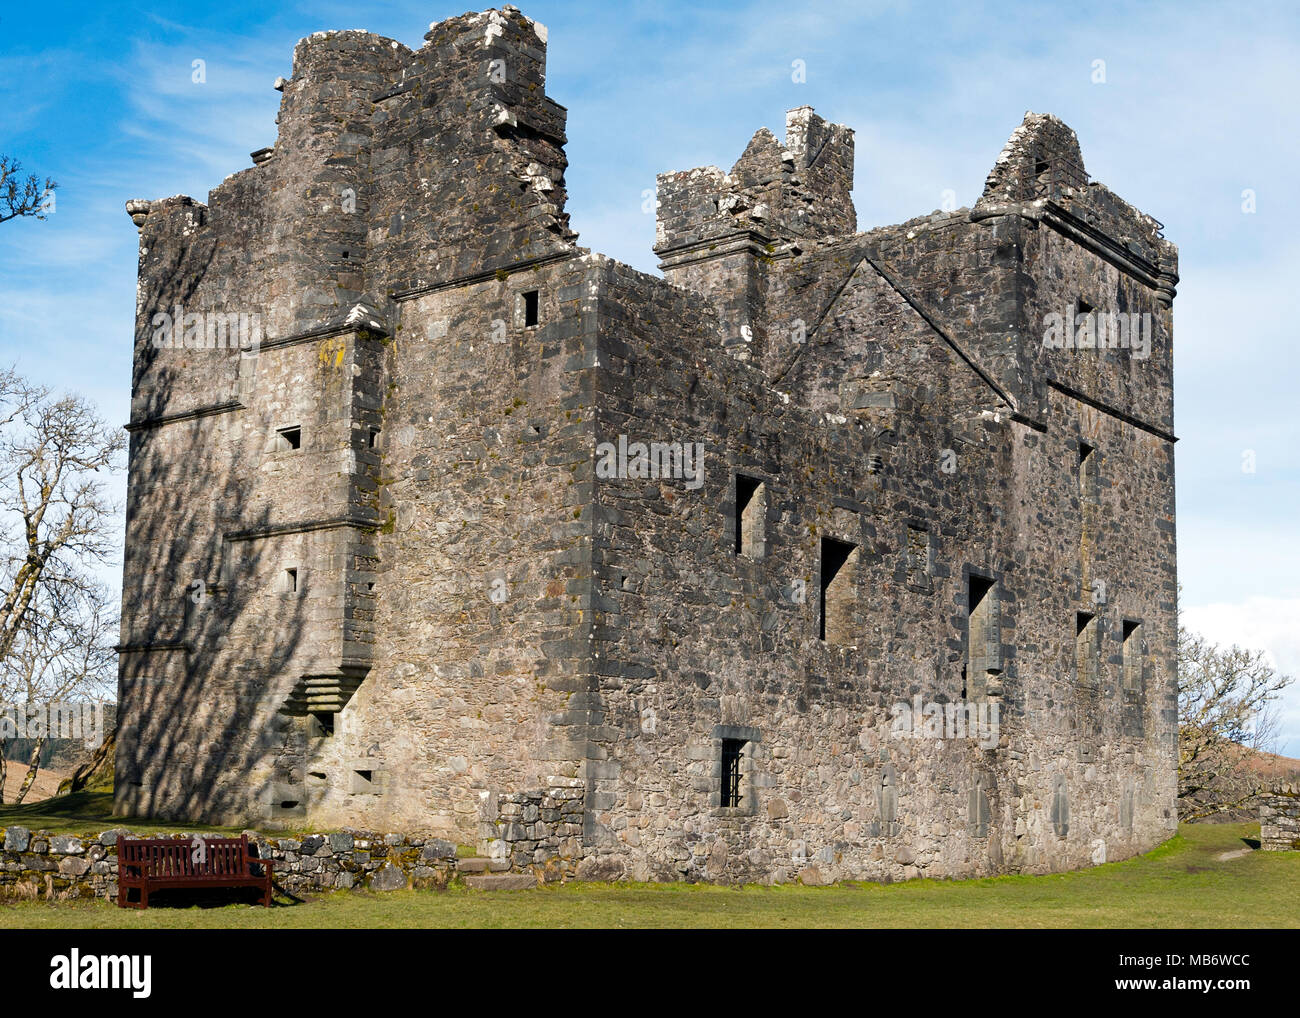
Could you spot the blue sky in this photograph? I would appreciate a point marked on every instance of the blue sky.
(1199, 104)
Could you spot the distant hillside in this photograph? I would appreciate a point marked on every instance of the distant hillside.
(1266, 768)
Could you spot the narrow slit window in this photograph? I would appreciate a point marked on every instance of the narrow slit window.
(732, 753)
(983, 632)
(838, 592)
(1087, 471)
(1086, 651)
(372, 438)
(289, 438)
(751, 506)
(918, 556)
(290, 581)
(1132, 655)
(531, 308)
(1042, 176)
(1082, 327)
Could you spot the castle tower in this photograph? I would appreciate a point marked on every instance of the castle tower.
(716, 231)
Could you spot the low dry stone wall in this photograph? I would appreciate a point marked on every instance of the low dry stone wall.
(1279, 818)
(42, 865)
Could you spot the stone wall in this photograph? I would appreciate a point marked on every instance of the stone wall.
(38, 864)
(1279, 818)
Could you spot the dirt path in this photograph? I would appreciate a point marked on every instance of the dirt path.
(45, 785)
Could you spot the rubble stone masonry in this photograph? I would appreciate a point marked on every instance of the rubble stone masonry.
(383, 570)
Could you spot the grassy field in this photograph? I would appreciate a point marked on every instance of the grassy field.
(1183, 883)
(92, 813)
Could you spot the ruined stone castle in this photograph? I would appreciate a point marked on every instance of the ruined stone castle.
(826, 555)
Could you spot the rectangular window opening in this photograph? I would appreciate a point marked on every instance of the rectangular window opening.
(372, 438)
(1086, 652)
(530, 307)
(1132, 656)
(837, 591)
(751, 506)
(732, 751)
(290, 581)
(983, 633)
(289, 438)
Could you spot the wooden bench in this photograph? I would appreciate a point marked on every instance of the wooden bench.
(154, 864)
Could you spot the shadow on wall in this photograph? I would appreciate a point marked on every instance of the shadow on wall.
(203, 639)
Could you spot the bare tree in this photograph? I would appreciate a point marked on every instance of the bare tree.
(1226, 719)
(57, 524)
(63, 653)
(22, 197)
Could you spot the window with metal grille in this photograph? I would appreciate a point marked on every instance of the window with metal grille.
(1042, 177)
(731, 754)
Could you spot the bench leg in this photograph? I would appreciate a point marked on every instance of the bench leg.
(144, 896)
(266, 895)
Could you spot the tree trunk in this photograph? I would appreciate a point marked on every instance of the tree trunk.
(33, 765)
(4, 767)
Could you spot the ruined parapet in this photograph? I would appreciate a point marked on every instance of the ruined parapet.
(1279, 818)
(469, 156)
(399, 169)
(1041, 159)
(780, 193)
(715, 230)
(1041, 169)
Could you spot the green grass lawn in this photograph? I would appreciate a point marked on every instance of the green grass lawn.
(1182, 883)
